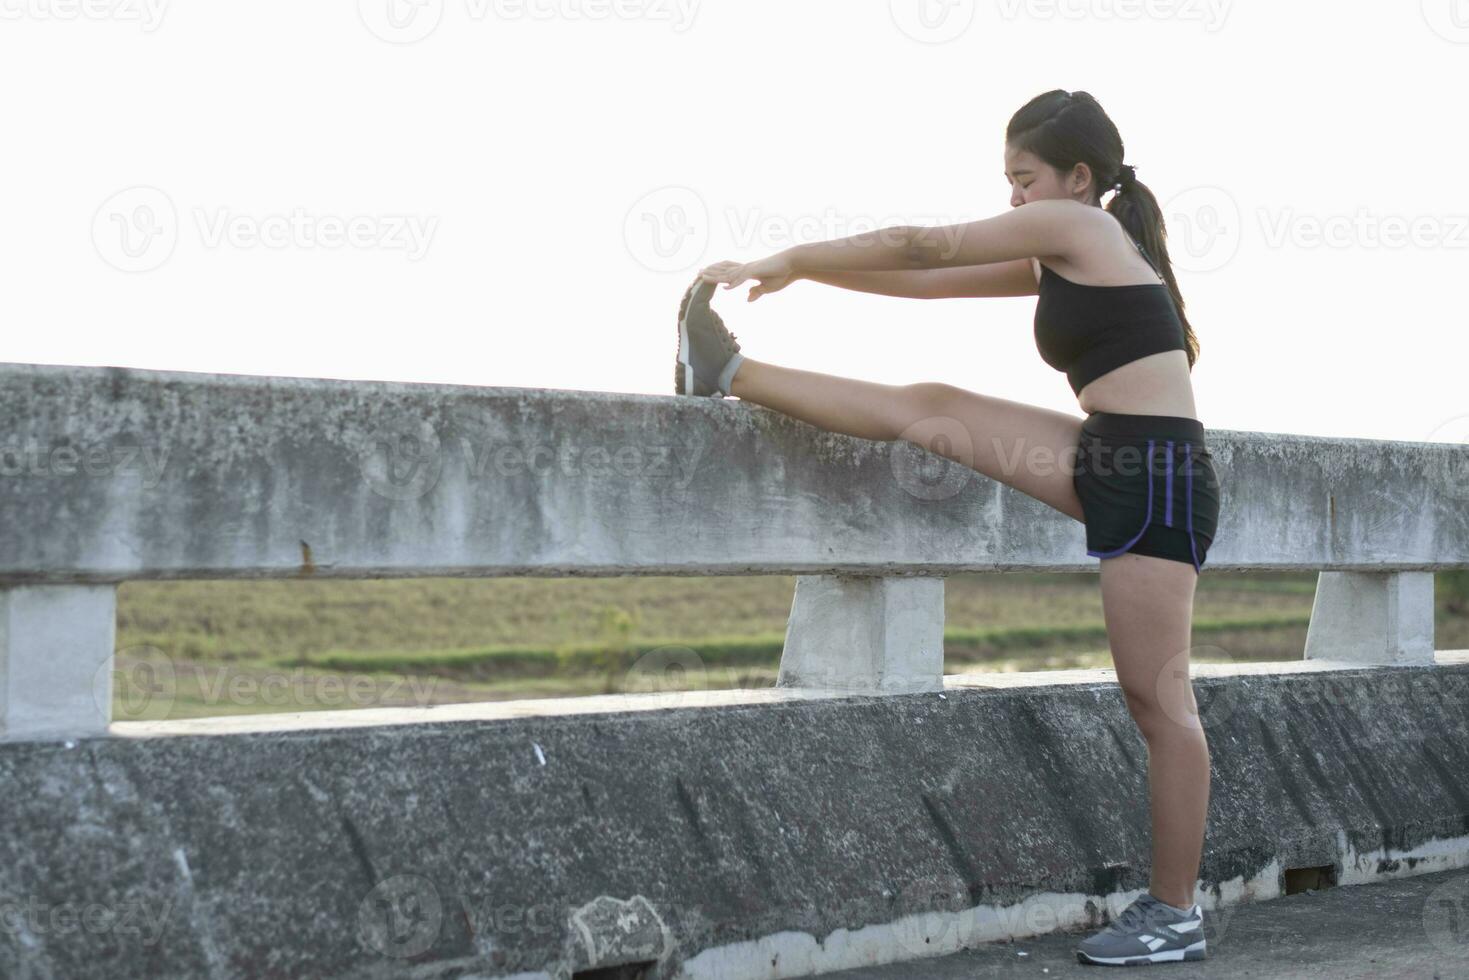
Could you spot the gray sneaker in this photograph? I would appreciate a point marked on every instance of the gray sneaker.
(1147, 931)
(708, 355)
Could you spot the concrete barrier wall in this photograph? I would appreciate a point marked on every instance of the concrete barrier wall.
(109, 474)
(737, 841)
(112, 474)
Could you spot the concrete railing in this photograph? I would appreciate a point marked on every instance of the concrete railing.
(110, 475)
(706, 835)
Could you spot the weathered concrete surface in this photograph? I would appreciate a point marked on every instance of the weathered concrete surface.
(1403, 929)
(1372, 617)
(56, 644)
(751, 840)
(865, 634)
(1229, 674)
(113, 474)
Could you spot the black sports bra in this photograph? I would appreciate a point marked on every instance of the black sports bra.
(1087, 331)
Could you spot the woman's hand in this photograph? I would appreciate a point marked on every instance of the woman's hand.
(772, 275)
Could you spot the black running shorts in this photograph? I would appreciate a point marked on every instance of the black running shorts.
(1147, 485)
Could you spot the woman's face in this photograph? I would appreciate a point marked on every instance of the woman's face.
(1032, 179)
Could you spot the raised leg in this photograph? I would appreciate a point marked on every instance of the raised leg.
(1029, 448)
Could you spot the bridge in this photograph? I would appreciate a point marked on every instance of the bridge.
(868, 811)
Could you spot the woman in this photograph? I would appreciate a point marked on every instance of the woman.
(1144, 484)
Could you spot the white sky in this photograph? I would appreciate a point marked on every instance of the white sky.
(567, 166)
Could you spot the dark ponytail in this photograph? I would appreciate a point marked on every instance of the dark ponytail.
(1066, 128)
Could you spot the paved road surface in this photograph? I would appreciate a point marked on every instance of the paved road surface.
(1413, 928)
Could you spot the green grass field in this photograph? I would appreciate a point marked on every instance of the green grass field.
(191, 649)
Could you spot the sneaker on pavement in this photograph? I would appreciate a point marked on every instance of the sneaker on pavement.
(1147, 931)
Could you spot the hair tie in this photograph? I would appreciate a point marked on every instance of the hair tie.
(1126, 177)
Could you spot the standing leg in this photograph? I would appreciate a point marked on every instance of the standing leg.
(1147, 604)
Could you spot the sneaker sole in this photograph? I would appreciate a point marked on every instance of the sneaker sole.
(683, 371)
(1194, 952)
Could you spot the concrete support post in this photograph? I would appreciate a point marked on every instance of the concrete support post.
(1372, 618)
(865, 633)
(56, 645)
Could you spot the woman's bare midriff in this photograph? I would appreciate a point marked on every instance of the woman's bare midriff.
(1154, 385)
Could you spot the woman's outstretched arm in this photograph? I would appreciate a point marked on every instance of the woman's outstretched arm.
(1046, 227)
(1039, 228)
(1013, 278)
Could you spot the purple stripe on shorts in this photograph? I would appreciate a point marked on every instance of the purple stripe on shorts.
(1188, 478)
(1168, 503)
